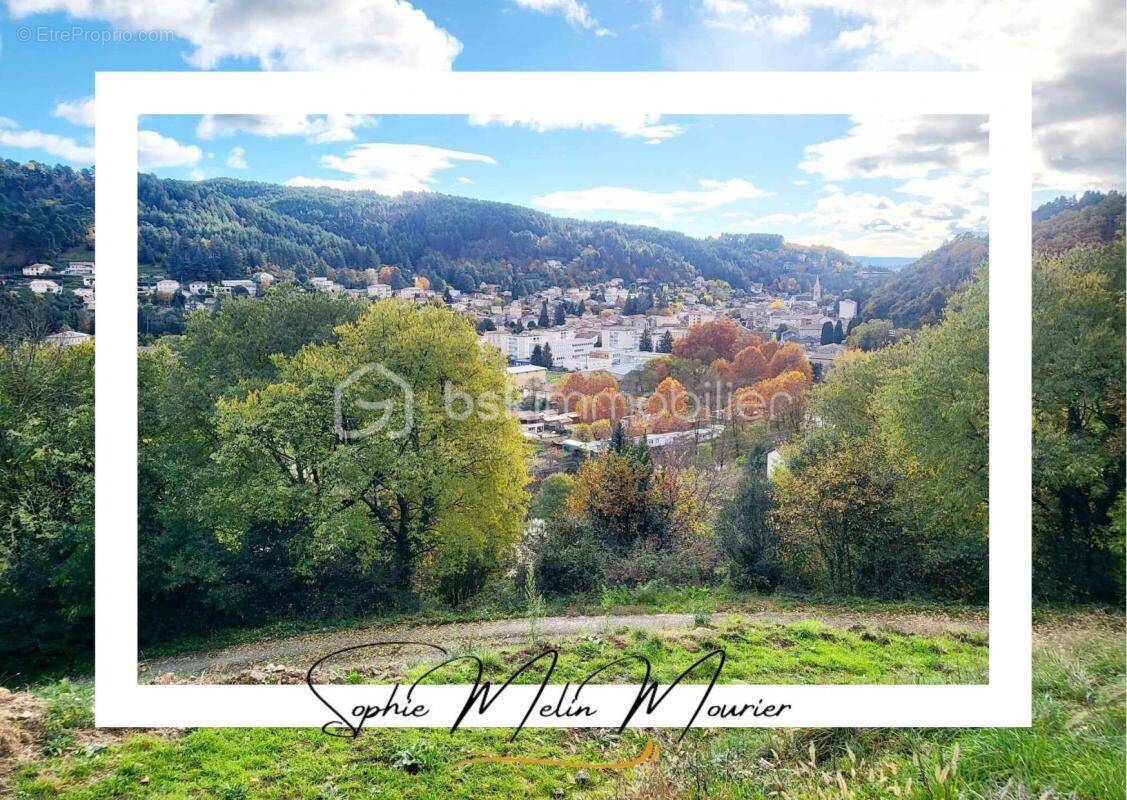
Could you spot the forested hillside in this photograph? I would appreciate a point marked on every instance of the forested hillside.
(44, 211)
(225, 228)
(916, 295)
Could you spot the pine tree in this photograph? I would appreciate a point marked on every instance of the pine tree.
(618, 438)
(827, 333)
(853, 323)
(646, 343)
(665, 344)
(542, 321)
(546, 357)
(839, 334)
(537, 357)
(560, 315)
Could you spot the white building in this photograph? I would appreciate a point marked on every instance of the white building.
(378, 291)
(198, 287)
(250, 286)
(620, 339)
(37, 269)
(43, 286)
(67, 338)
(847, 309)
(79, 268)
(774, 461)
(525, 376)
(168, 286)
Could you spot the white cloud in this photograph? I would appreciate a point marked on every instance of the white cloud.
(666, 206)
(574, 11)
(464, 179)
(155, 151)
(278, 34)
(237, 158)
(628, 125)
(317, 130)
(864, 223)
(901, 147)
(62, 147)
(739, 16)
(76, 112)
(389, 168)
(1075, 51)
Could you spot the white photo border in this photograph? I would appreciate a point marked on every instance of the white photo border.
(122, 97)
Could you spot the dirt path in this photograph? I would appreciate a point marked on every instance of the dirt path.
(301, 651)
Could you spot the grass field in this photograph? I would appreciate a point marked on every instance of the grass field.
(1074, 749)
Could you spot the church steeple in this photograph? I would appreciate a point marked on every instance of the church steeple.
(817, 290)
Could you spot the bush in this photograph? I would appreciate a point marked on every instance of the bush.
(570, 560)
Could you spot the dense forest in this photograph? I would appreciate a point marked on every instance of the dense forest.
(44, 211)
(226, 228)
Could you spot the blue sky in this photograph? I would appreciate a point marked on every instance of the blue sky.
(874, 187)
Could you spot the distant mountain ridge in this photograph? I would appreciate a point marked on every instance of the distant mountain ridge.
(226, 228)
(917, 294)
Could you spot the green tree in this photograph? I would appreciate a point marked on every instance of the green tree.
(542, 320)
(665, 344)
(839, 334)
(560, 316)
(547, 361)
(424, 483)
(827, 336)
(871, 335)
(1078, 425)
(646, 344)
(551, 500)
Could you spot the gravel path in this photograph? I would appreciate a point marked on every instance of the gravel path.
(301, 651)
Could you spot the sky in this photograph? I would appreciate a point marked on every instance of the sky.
(872, 186)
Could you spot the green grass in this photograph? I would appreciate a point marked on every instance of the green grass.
(1074, 749)
(646, 599)
(804, 652)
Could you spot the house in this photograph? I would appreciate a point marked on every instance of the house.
(37, 269)
(88, 281)
(378, 291)
(67, 338)
(79, 268)
(250, 286)
(620, 338)
(265, 278)
(43, 286)
(847, 309)
(168, 286)
(198, 287)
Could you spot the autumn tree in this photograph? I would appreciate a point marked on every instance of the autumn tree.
(790, 358)
(574, 386)
(721, 338)
(356, 441)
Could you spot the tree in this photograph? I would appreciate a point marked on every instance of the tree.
(618, 440)
(645, 344)
(665, 344)
(748, 366)
(551, 500)
(601, 429)
(46, 503)
(1078, 424)
(574, 386)
(560, 316)
(410, 482)
(871, 335)
(536, 358)
(746, 533)
(486, 325)
(790, 357)
(839, 334)
(669, 408)
(827, 336)
(546, 359)
(542, 320)
(721, 338)
(607, 404)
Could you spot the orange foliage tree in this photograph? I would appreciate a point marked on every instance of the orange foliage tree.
(782, 400)
(574, 386)
(721, 338)
(749, 366)
(670, 408)
(790, 358)
(609, 404)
